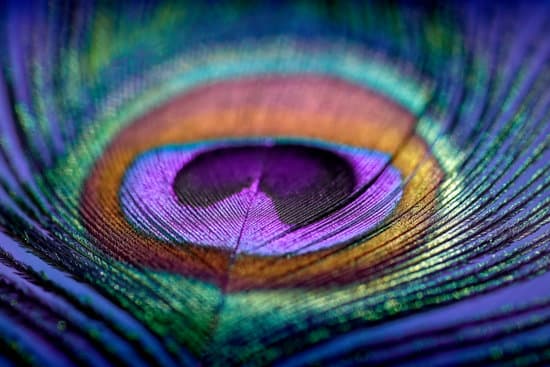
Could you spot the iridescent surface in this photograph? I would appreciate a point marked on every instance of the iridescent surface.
(274, 183)
(268, 199)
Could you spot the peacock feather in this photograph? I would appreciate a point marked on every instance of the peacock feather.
(278, 183)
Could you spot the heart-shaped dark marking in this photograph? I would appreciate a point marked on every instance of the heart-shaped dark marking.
(301, 180)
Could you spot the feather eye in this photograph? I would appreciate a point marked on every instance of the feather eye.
(275, 189)
(256, 184)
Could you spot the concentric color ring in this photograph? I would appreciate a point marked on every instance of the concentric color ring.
(265, 106)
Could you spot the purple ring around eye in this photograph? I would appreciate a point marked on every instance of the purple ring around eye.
(259, 197)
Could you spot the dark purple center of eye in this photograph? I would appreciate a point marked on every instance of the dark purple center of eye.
(300, 180)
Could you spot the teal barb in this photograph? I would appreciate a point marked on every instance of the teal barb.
(294, 183)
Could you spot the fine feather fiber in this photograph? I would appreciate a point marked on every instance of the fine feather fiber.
(295, 183)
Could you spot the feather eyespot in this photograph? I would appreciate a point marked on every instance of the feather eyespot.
(284, 184)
